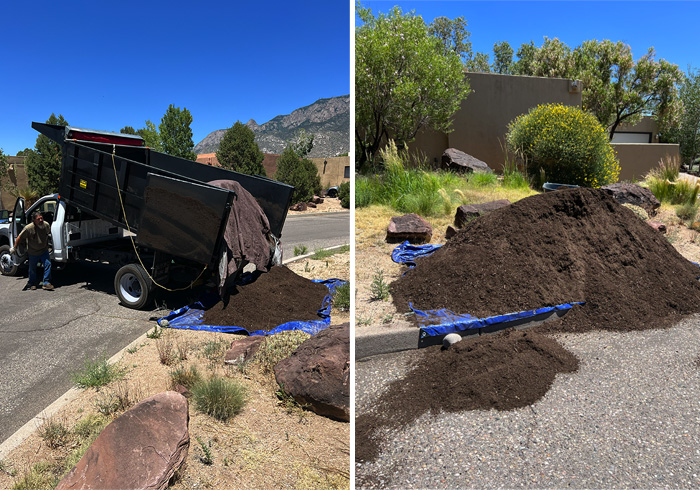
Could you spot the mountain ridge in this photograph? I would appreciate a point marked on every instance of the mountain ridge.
(327, 119)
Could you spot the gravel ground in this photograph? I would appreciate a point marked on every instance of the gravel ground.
(629, 418)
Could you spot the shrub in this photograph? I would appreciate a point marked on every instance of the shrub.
(185, 377)
(301, 173)
(379, 288)
(96, 372)
(663, 182)
(277, 347)
(344, 195)
(341, 297)
(54, 433)
(219, 397)
(567, 144)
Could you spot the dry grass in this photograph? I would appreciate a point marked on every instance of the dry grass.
(264, 446)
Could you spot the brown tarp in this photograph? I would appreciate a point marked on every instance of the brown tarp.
(248, 238)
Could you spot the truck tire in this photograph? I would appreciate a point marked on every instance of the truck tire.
(133, 286)
(7, 263)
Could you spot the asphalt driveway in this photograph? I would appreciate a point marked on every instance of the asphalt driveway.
(628, 418)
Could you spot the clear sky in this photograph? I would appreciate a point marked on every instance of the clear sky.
(108, 64)
(672, 28)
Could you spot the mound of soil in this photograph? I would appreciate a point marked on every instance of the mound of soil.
(504, 371)
(553, 248)
(274, 298)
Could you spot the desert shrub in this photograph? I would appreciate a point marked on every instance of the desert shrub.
(89, 427)
(482, 179)
(96, 372)
(513, 176)
(687, 212)
(664, 183)
(187, 377)
(341, 297)
(54, 433)
(344, 195)
(568, 144)
(277, 347)
(219, 397)
(301, 173)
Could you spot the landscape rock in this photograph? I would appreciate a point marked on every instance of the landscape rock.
(300, 206)
(468, 212)
(243, 350)
(658, 226)
(409, 227)
(317, 374)
(450, 232)
(142, 449)
(454, 159)
(317, 200)
(626, 193)
(311, 204)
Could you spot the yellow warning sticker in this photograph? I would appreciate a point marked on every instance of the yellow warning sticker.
(83, 184)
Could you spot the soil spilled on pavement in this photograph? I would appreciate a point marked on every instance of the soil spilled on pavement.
(504, 371)
(560, 247)
(274, 298)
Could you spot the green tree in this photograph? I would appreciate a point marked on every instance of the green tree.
(25, 153)
(128, 130)
(303, 143)
(618, 90)
(478, 62)
(502, 58)
(175, 133)
(43, 165)
(553, 59)
(404, 81)
(238, 151)
(687, 134)
(301, 173)
(151, 136)
(526, 59)
(4, 167)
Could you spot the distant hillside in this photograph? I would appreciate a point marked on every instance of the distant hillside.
(327, 119)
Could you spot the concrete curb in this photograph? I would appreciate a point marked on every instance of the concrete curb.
(306, 256)
(30, 427)
(401, 335)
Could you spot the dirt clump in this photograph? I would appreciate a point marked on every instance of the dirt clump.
(273, 298)
(553, 248)
(504, 371)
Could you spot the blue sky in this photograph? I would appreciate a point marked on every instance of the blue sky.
(105, 64)
(672, 28)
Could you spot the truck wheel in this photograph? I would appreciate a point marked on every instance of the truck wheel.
(7, 263)
(133, 286)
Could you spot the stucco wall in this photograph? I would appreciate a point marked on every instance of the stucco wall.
(480, 125)
(636, 159)
(332, 172)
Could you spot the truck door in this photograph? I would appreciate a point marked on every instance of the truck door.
(18, 223)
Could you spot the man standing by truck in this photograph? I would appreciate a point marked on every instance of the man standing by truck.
(37, 236)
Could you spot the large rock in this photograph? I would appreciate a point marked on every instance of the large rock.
(626, 193)
(409, 227)
(454, 159)
(141, 449)
(317, 374)
(244, 349)
(300, 206)
(468, 212)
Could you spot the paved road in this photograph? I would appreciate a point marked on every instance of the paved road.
(46, 335)
(628, 418)
(315, 231)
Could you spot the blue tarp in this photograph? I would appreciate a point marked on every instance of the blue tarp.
(192, 317)
(444, 321)
(406, 253)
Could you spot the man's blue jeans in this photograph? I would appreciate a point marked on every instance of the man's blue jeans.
(45, 259)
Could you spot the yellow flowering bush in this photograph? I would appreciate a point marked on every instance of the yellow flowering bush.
(567, 144)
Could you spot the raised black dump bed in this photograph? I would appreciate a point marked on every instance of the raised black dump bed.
(116, 178)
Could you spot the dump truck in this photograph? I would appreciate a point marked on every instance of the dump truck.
(159, 218)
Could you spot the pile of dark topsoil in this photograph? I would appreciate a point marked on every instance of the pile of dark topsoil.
(553, 248)
(549, 249)
(273, 298)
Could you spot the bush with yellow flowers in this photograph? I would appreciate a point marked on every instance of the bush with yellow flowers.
(565, 143)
